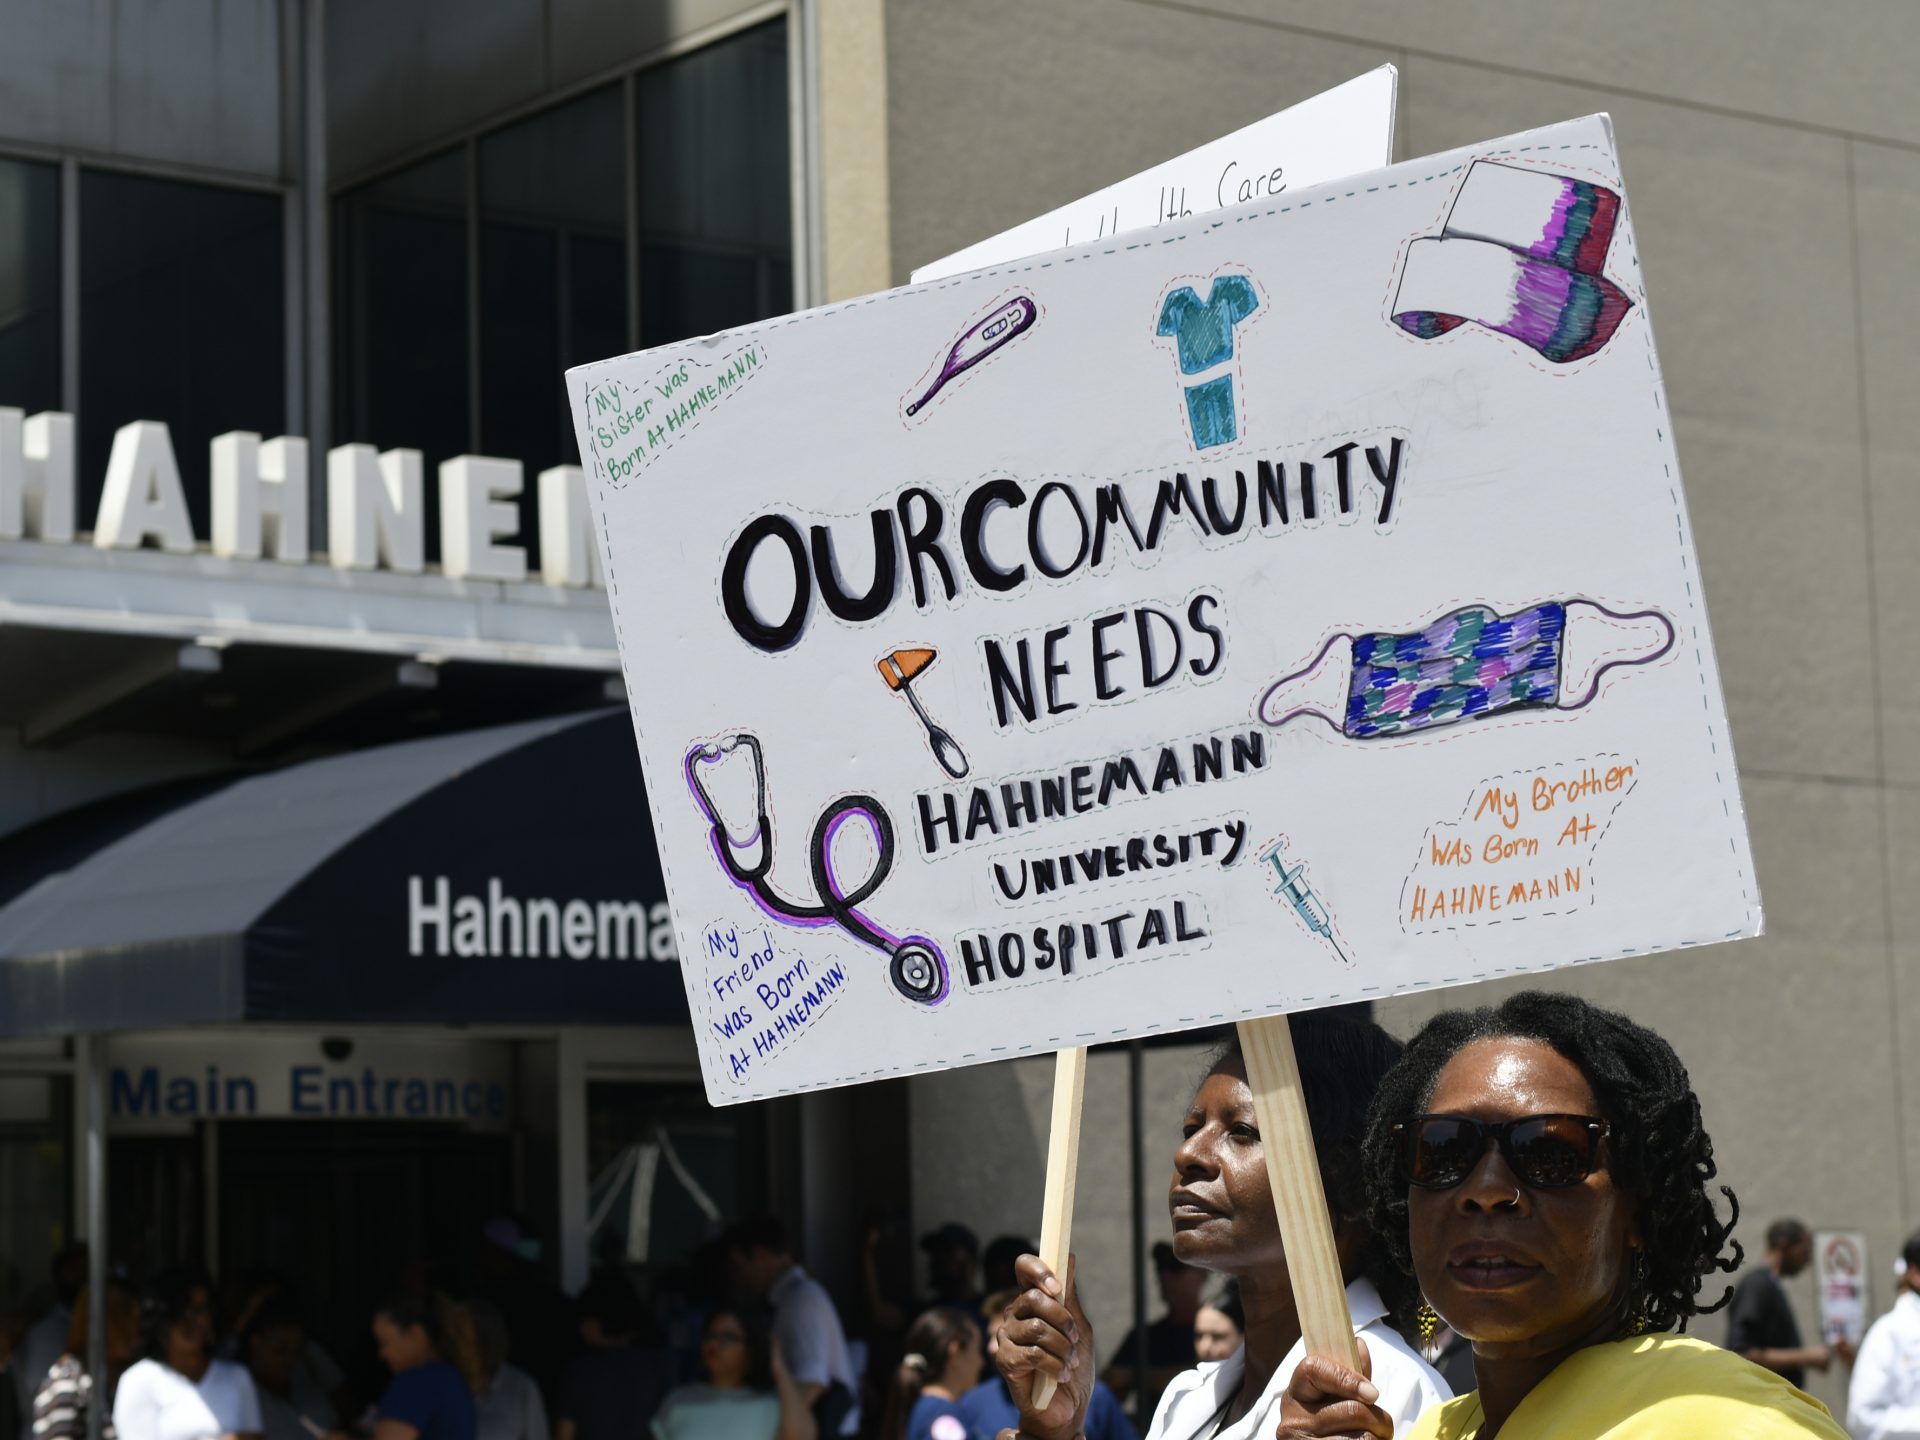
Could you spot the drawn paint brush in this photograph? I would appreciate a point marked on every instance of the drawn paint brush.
(899, 670)
(1004, 325)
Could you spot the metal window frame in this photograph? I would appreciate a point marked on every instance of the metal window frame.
(70, 164)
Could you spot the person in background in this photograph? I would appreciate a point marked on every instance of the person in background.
(1542, 1169)
(1761, 1324)
(60, 1409)
(312, 1378)
(748, 1393)
(806, 1326)
(887, 1278)
(179, 1390)
(46, 1339)
(1169, 1339)
(612, 1387)
(996, 1267)
(988, 1408)
(507, 1406)
(272, 1344)
(953, 1267)
(1883, 1400)
(13, 1324)
(426, 1340)
(1219, 1327)
(507, 1272)
(942, 1364)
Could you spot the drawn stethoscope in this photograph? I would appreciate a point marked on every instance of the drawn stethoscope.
(916, 967)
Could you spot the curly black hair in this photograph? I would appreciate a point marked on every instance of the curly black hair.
(1659, 1151)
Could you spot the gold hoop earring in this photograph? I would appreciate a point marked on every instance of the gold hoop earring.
(1638, 1298)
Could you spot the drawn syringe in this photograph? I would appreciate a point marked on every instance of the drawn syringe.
(1293, 889)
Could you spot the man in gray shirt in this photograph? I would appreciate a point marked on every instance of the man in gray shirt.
(806, 1326)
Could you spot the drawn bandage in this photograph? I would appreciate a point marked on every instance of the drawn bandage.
(1468, 664)
(1521, 253)
(918, 969)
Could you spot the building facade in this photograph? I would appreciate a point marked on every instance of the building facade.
(286, 290)
(391, 226)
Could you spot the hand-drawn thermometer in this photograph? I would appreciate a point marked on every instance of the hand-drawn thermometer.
(1471, 663)
(1004, 325)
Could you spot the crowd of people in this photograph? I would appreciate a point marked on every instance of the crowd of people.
(1524, 1207)
(184, 1362)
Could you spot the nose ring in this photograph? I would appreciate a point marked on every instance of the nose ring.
(1515, 1202)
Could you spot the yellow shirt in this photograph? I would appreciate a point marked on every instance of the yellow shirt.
(1653, 1387)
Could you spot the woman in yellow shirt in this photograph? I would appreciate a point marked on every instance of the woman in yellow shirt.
(1542, 1170)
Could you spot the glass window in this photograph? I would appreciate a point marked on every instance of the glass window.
(182, 319)
(400, 318)
(666, 1170)
(554, 287)
(553, 276)
(716, 243)
(29, 286)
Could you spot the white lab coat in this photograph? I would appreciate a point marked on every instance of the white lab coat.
(1193, 1404)
(1883, 1400)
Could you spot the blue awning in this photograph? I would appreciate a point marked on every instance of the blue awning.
(505, 875)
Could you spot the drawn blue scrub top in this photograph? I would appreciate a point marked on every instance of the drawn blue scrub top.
(1205, 332)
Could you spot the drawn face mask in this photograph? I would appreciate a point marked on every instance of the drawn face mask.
(1470, 663)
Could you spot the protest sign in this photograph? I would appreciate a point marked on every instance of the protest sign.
(1293, 606)
(1343, 131)
(1840, 1275)
(1339, 132)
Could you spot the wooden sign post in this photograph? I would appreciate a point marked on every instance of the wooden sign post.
(1063, 1166)
(915, 908)
(1293, 1170)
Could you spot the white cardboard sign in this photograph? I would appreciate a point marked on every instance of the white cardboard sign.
(1290, 607)
(1339, 132)
(1840, 1273)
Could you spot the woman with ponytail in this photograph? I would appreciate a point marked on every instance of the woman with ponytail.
(428, 1342)
(942, 1364)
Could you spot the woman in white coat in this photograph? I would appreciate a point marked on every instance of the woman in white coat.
(1221, 1206)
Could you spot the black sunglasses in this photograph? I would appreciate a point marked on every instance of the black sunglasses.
(1547, 1152)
